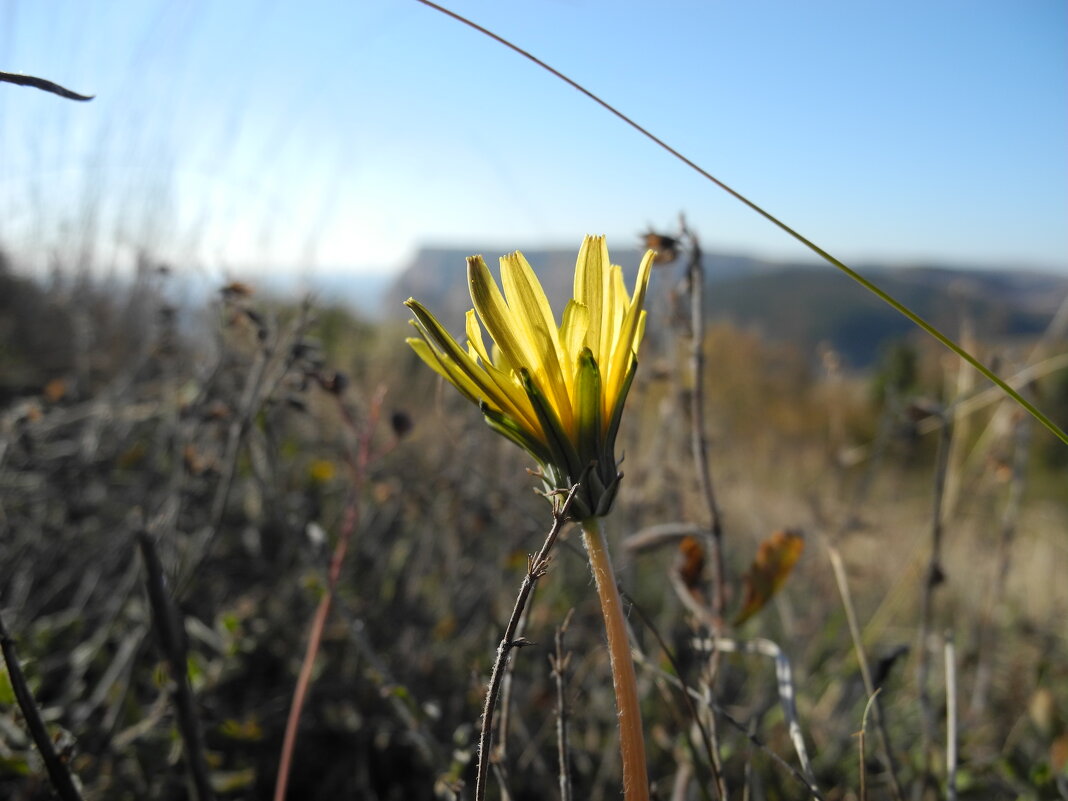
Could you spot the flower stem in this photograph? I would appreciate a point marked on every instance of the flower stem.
(631, 739)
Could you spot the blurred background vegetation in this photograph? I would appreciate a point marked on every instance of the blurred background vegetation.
(226, 429)
(164, 379)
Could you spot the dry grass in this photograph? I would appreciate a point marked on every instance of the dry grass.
(150, 431)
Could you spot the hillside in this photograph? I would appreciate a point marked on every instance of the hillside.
(804, 304)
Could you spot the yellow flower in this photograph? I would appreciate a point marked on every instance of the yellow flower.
(556, 391)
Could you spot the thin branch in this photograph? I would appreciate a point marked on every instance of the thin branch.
(171, 636)
(861, 735)
(996, 597)
(559, 663)
(537, 566)
(706, 737)
(842, 582)
(935, 576)
(699, 432)
(43, 84)
(951, 718)
(741, 727)
(58, 774)
(784, 682)
(823, 254)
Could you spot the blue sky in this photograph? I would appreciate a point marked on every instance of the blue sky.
(322, 135)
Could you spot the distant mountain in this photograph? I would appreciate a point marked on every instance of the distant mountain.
(809, 306)
(801, 303)
(437, 277)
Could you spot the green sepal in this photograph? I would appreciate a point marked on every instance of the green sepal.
(563, 452)
(608, 497)
(617, 413)
(588, 420)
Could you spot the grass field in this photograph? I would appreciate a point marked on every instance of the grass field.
(240, 443)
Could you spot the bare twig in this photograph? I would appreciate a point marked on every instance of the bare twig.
(699, 446)
(58, 774)
(699, 433)
(784, 683)
(706, 737)
(741, 727)
(171, 635)
(559, 663)
(857, 501)
(661, 534)
(951, 718)
(43, 84)
(861, 736)
(537, 566)
(500, 752)
(935, 576)
(1009, 520)
(842, 582)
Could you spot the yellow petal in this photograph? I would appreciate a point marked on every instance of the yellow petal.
(573, 336)
(591, 284)
(455, 361)
(626, 343)
(520, 404)
(617, 302)
(530, 310)
(463, 383)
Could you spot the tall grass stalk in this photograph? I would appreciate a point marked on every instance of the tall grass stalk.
(823, 254)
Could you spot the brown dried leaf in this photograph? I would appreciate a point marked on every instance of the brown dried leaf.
(774, 560)
(691, 561)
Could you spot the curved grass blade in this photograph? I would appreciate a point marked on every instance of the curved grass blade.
(823, 254)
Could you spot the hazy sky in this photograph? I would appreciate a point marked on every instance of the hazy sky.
(328, 134)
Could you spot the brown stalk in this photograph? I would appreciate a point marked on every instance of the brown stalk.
(621, 663)
(537, 566)
(358, 467)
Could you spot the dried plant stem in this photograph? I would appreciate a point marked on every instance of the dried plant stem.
(935, 576)
(358, 467)
(994, 599)
(537, 566)
(693, 693)
(315, 636)
(699, 434)
(62, 781)
(43, 84)
(861, 736)
(171, 635)
(559, 662)
(631, 737)
(705, 736)
(699, 445)
(500, 751)
(842, 582)
(951, 718)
